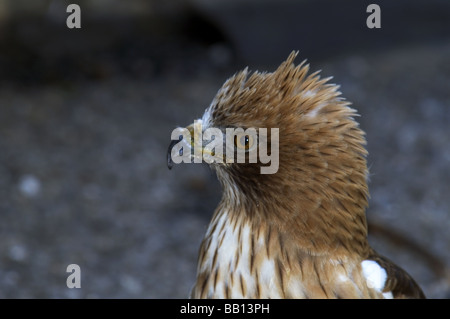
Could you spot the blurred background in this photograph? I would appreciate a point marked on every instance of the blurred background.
(86, 116)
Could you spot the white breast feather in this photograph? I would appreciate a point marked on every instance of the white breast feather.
(375, 276)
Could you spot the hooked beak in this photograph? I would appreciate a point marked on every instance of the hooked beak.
(169, 154)
(187, 144)
(194, 144)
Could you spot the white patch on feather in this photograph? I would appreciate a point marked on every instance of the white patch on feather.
(227, 253)
(388, 295)
(315, 110)
(342, 278)
(214, 242)
(234, 253)
(243, 266)
(308, 94)
(268, 286)
(375, 276)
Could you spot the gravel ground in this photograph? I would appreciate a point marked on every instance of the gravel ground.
(83, 175)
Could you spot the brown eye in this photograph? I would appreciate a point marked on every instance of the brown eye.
(243, 142)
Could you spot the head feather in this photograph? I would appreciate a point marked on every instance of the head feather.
(322, 166)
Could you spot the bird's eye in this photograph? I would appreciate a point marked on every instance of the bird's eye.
(243, 142)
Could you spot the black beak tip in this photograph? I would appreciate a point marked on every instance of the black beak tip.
(169, 154)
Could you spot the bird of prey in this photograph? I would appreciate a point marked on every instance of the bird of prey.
(300, 232)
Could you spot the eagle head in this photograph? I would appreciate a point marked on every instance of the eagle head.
(320, 177)
(292, 163)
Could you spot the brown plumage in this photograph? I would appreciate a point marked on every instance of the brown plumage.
(301, 232)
